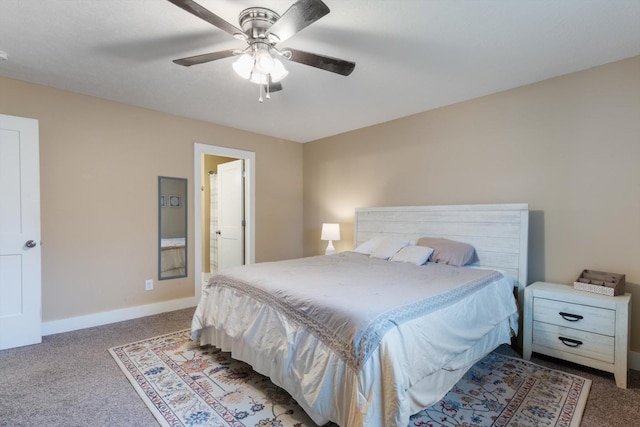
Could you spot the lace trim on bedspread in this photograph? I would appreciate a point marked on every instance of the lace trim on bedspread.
(356, 353)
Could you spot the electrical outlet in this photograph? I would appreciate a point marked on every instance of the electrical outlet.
(148, 284)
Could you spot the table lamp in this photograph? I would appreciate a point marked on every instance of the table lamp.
(330, 232)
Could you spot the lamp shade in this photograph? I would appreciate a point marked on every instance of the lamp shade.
(244, 65)
(330, 232)
(279, 72)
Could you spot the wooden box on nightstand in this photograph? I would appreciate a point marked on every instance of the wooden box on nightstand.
(578, 326)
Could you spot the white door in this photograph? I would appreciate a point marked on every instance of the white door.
(230, 214)
(20, 271)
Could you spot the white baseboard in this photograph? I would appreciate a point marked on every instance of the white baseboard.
(106, 317)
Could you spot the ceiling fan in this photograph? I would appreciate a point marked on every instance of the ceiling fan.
(262, 29)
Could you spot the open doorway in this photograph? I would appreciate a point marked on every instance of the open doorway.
(206, 159)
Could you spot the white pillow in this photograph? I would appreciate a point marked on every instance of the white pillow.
(417, 255)
(368, 246)
(389, 246)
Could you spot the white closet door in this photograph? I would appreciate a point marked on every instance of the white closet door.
(20, 255)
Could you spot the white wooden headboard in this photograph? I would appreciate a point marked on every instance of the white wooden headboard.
(498, 232)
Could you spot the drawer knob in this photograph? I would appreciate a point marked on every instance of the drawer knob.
(570, 317)
(570, 342)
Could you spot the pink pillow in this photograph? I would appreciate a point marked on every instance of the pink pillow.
(450, 252)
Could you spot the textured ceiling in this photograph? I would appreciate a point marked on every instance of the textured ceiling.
(411, 55)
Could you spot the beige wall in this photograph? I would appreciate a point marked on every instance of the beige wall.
(99, 164)
(568, 146)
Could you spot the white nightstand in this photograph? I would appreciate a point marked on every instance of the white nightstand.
(578, 326)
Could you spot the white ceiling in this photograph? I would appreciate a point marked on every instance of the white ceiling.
(411, 55)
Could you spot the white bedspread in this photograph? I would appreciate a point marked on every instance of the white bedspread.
(356, 340)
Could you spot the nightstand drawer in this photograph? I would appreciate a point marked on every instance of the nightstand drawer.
(576, 316)
(581, 343)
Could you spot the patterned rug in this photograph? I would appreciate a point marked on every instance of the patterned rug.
(184, 384)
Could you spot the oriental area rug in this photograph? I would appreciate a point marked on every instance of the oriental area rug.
(184, 384)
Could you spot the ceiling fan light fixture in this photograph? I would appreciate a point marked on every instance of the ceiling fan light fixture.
(260, 67)
(264, 61)
(279, 72)
(259, 78)
(243, 66)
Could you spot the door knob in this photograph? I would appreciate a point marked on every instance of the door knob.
(30, 244)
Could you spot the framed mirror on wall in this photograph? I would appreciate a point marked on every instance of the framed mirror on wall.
(172, 227)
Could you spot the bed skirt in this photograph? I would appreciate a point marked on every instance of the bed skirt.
(341, 395)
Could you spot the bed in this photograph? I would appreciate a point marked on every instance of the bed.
(172, 257)
(357, 339)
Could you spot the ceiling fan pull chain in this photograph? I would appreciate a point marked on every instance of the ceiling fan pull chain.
(268, 86)
(260, 99)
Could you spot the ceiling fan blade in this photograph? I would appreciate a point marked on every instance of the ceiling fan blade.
(206, 57)
(300, 15)
(327, 63)
(205, 14)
